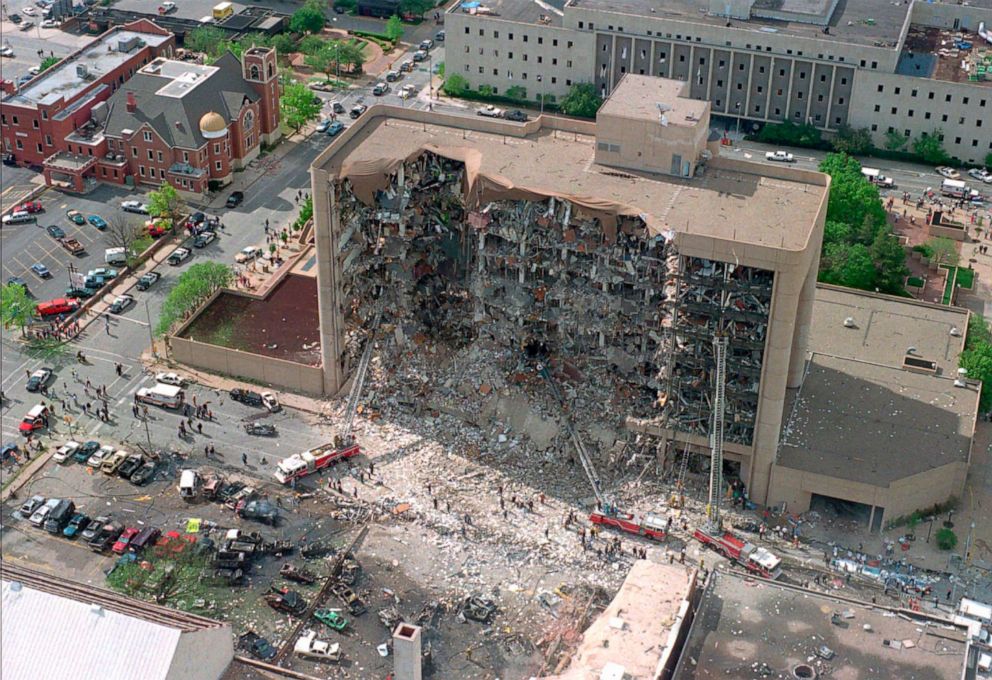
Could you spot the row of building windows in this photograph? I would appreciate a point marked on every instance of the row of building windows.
(948, 99)
(908, 133)
(526, 38)
(523, 57)
(911, 113)
(508, 75)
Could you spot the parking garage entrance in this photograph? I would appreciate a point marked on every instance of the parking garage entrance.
(839, 508)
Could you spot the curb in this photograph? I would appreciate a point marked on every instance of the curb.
(25, 474)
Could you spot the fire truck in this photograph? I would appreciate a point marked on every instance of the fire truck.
(756, 560)
(649, 525)
(302, 464)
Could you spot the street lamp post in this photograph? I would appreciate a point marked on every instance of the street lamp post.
(540, 95)
(737, 107)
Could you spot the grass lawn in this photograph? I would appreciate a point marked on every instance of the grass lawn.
(915, 282)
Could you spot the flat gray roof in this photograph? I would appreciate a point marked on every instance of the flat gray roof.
(723, 203)
(848, 24)
(100, 57)
(885, 327)
(524, 11)
(637, 96)
(742, 626)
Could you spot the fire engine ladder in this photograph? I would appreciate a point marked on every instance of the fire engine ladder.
(580, 448)
(716, 432)
(360, 373)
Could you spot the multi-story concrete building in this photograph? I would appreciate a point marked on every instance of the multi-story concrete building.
(909, 67)
(628, 244)
(121, 110)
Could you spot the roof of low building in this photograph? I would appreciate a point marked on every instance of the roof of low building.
(859, 414)
(174, 96)
(745, 628)
(56, 628)
(640, 97)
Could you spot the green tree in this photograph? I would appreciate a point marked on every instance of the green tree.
(394, 28)
(848, 265)
(194, 286)
(988, 161)
(284, 43)
(456, 85)
(415, 7)
(311, 44)
(944, 251)
(352, 55)
(204, 39)
(308, 19)
(930, 148)
(890, 263)
(298, 105)
(978, 332)
(855, 141)
(322, 60)
(790, 134)
(894, 140)
(977, 360)
(517, 92)
(853, 199)
(346, 5)
(582, 100)
(836, 232)
(486, 90)
(49, 62)
(166, 202)
(16, 308)
(946, 539)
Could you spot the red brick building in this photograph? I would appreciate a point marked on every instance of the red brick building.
(121, 110)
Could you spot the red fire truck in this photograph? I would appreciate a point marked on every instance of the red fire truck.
(648, 525)
(302, 464)
(756, 560)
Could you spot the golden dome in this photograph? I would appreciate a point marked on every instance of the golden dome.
(212, 123)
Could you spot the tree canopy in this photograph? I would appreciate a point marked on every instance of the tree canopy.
(930, 148)
(194, 286)
(456, 85)
(854, 141)
(988, 161)
(298, 105)
(204, 39)
(166, 202)
(49, 62)
(582, 100)
(977, 358)
(859, 249)
(394, 28)
(16, 308)
(415, 7)
(308, 19)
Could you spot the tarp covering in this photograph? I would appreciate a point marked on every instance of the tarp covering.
(369, 176)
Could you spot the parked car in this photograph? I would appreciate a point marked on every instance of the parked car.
(234, 200)
(308, 647)
(105, 537)
(93, 527)
(439, 36)
(124, 540)
(489, 111)
(55, 232)
(204, 239)
(949, 173)
(121, 303)
(148, 280)
(30, 505)
(134, 207)
(248, 254)
(178, 256)
(259, 511)
(170, 378)
(145, 538)
(426, 45)
(76, 525)
(780, 157)
(130, 465)
(335, 128)
(106, 272)
(419, 55)
(65, 452)
(407, 66)
(323, 125)
(30, 207)
(17, 281)
(60, 516)
(18, 217)
(50, 23)
(86, 451)
(380, 89)
(143, 474)
(97, 222)
(6, 50)
(113, 462)
(393, 76)
(40, 378)
(331, 619)
(287, 601)
(196, 219)
(247, 397)
(260, 429)
(75, 217)
(41, 271)
(357, 110)
(257, 646)
(39, 516)
(79, 293)
(100, 455)
(158, 227)
(56, 306)
(516, 116)
(35, 419)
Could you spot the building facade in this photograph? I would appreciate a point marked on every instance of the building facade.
(828, 65)
(121, 110)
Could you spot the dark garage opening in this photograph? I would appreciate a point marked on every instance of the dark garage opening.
(838, 508)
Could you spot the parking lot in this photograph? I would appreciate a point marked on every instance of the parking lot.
(27, 244)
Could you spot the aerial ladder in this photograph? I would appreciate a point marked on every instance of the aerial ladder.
(716, 432)
(346, 438)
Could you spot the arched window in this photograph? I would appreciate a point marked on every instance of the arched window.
(271, 70)
(255, 73)
(249, 121)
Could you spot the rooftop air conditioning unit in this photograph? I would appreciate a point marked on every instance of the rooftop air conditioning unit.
(82, 71)
(849, 322)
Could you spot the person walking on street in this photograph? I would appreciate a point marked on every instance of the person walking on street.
(199, 428)
(244, 459)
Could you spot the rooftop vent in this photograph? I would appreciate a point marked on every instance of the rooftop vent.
(96, 609)
(849, 322)
(919, 365)
(15, 586)
(955, 332)
(82, 71)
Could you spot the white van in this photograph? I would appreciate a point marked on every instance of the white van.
(166, 396)
(116, 256)
(189, 484)
(875, 176)
(954, 187)
(19, 217)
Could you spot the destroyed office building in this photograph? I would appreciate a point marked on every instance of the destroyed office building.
(609, 253)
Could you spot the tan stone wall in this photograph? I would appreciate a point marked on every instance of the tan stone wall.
(795, 487)
(280, 373)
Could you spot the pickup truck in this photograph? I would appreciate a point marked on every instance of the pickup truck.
(310, 648)
(73, 246)
(780, 157)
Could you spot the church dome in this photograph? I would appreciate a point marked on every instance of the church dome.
(212, 125)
